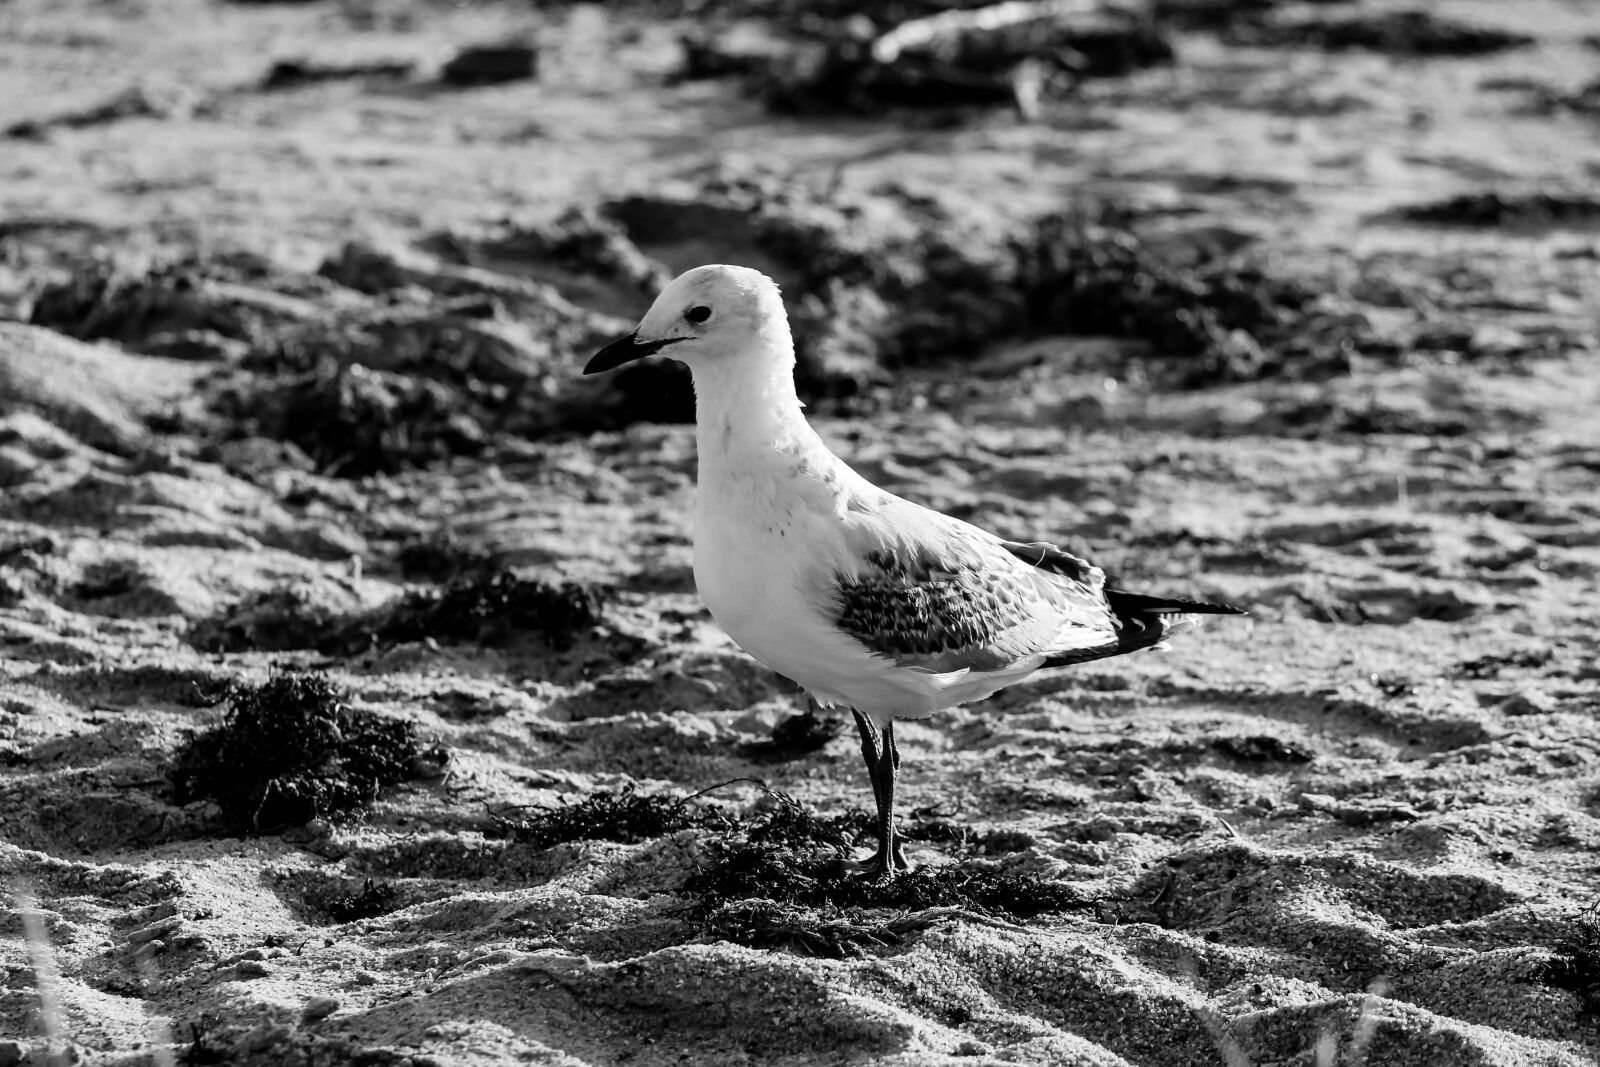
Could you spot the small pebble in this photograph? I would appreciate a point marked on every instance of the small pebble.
(252, 969)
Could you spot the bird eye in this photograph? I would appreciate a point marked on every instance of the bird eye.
(698, 314)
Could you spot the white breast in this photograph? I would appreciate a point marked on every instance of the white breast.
(765, 565)
(754, 570)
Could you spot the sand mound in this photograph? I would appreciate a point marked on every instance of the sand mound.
(99, 394)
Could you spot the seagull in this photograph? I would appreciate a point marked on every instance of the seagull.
(867, 600)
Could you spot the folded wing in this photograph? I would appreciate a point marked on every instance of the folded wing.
(936, 594)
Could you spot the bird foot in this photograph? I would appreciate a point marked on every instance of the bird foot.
(879, 867)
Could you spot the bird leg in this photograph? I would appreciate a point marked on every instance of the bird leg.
(890, 858)
(870, 750)
(883, 761)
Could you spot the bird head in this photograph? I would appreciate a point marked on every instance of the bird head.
(708, 318)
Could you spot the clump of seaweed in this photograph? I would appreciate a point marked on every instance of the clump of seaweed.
(489, 608)
(354, 421)
(1079, 278)
(1263, 748)
(830, 934)
(1576, 965)
(788, 885)
(1395, 33)
(1020, 896)
(787, 824)
(212, 1041)
(270, 620)
(812, 879)
(624, 815)
(442, 556)
(796, 736)
(807, 732)
(1490, 665)
(946, 832)
(101, 300)
(291, 750)
(783, 881)
(1489, 209)
(374, 898)
(203, 1049)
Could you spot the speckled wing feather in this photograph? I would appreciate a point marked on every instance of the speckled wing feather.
(936, 594)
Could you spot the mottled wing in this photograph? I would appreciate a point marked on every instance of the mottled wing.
(937, 594)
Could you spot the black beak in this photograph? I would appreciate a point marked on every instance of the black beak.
(626, 350)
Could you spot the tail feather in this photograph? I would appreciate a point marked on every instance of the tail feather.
(1142, 621)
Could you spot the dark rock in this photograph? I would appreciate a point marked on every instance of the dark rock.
(294, 73)
(491, 65)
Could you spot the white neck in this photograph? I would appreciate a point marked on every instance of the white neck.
(746, 411)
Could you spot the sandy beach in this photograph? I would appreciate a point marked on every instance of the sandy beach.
(356, 702)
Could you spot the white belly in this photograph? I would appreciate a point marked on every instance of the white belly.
(771, 591)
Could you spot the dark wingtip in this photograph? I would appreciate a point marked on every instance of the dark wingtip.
(1141, 604)
(1201, 607)
(1140, 625)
